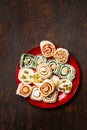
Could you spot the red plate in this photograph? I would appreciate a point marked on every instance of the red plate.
(63, 98)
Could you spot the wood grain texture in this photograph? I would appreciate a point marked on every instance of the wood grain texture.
(23, 24)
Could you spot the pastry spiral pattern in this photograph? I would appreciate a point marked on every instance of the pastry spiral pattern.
(24, 90)
(47, 87)
(44, 71)
(47, 48)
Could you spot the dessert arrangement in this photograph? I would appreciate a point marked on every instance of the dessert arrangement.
(45, 76)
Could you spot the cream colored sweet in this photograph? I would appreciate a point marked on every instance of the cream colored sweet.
(44, 70)
(24, 90)
(25, 75)
(55, 79)
(47, 48)
(52, 98)
(36, 95)
(47, 87)
(67, 71)
(65, 86)
(61, 55)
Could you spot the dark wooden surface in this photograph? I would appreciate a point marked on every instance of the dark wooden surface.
(23, 24)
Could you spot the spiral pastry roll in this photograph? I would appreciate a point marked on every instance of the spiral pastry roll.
(54, 65)
(67, 71)
(24, 90)
(61, 55)
(47, 87)
(27, 60)
(65, 86)
(39, 59)
(44, 70)
(47, 48)
(52, 98)
(25, 75)
(36, 95)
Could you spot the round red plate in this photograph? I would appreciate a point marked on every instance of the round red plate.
(63, 98)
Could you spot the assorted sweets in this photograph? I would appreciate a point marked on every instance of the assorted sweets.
(45, 76)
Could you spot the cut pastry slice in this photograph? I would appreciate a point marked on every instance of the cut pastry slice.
(47, 87)
(67, 71)
(25, 75)
(47, 48)
(65, 86)
(39, 59)
(27, 60)
(52, 98)
(61, 55)
(44, 70)
(36, 95)
(24, 90)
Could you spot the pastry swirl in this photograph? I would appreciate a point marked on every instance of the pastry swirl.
(27, 61)
(24, 90)
(52, 98)
(47, 48)
(36, 95)
(44, 70)
(54, 65)
(39, 59)
(47, 87)
(67, 71)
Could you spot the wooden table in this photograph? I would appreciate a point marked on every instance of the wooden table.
(23, 24)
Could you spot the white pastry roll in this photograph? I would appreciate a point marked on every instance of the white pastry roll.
(52, 98)
(44, 71)
(47, 87)
(65, 86)
(61, 55)
(47, 48)
(25, 75)
(24, 90)
(36, 95)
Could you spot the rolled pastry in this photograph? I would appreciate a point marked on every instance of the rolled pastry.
(47, 87)
(27, 60)
(52, 98)
(54, 65)
(65, 86)
(67, 71)
(47, 48)
(36, 95)
(44, 70)
(25, 75)
(24, 90)
(39, 59)
(61, 55)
